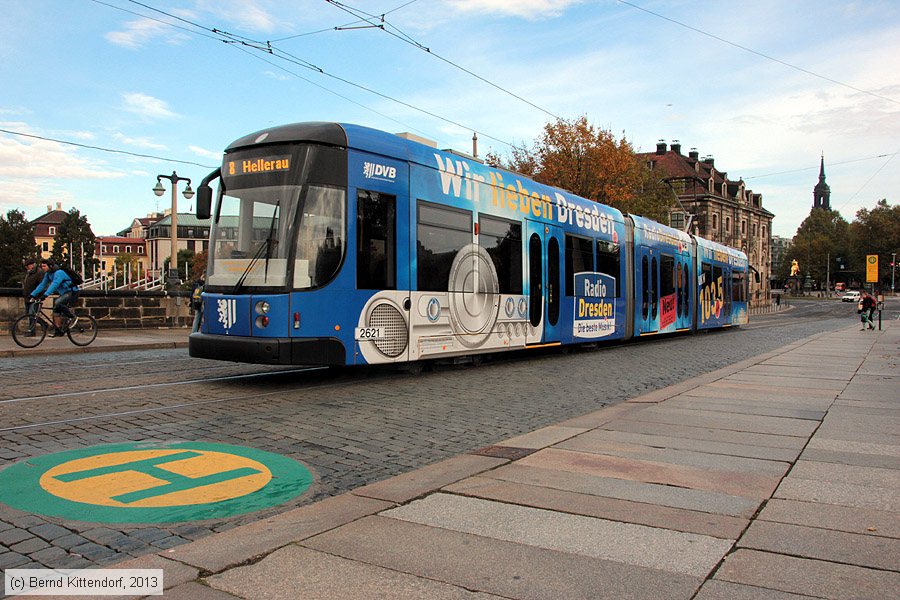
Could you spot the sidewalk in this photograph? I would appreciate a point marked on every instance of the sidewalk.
(108, 340)
(775, 478)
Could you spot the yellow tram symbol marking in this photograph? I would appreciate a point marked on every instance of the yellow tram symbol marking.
(156, 478)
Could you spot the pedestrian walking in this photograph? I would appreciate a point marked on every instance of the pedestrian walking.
(866, 309)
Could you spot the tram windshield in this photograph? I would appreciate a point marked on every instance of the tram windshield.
(254, 237)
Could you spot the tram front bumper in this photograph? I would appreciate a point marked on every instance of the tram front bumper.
(272, 351)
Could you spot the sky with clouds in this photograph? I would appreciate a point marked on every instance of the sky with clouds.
(766, 87)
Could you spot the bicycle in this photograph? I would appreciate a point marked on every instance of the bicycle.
(30, 330)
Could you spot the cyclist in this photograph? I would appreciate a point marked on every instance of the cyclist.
(57, 281)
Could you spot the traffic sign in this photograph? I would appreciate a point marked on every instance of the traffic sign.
(152, 482)
(871, 268)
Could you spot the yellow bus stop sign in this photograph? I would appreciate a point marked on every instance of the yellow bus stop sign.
(871, 268)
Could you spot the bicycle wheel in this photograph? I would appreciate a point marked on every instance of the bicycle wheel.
(28, 331)
(83, 331)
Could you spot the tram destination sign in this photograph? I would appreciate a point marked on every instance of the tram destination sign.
(256, 166)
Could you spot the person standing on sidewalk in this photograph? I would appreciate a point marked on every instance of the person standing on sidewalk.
(867, 305)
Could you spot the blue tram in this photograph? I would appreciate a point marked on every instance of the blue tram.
(335, 244)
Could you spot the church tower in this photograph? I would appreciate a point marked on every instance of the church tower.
(822, 193)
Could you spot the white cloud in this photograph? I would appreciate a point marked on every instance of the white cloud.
(147, 106)
(530, 9)
(139, 142)
(249, 14)
(217, 156)
(140, 32)
(26, 159)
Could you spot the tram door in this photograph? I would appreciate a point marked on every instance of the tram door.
(647, 290)
(544, 264)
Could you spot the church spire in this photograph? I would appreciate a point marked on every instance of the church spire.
(822, 193)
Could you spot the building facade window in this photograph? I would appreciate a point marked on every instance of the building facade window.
(51, 230)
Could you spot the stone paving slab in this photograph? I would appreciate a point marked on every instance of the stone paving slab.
(850, 458)
(590, 444)
(504, 568)
(709, 447)
(823, 544)
(603, 416)
(638, 491)
(715, 420)
(745, 407)
(865, 388)
(764, 440)
(842, 494)
(753, 485)
(725, 590)
(638, 545)
(807, 576)
(855, 475)
(235, 546)
(808, 371)
(839, 420)
(830, 516)
(613, 509)
(544, 437)
(325, 577)
(196, 591)
(404, 488)
(768, 391)
(788, 383)
(880, 449)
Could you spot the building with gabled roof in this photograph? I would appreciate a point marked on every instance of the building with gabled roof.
(717, 208)
(46, 226)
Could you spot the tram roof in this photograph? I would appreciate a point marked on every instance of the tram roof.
(391, 145)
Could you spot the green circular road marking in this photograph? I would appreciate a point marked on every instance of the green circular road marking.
(152, 482)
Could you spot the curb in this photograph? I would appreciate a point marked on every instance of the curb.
(90, 349)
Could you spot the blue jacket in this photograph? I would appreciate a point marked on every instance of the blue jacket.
(54, 282)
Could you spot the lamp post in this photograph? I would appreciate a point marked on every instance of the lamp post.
(159, 190)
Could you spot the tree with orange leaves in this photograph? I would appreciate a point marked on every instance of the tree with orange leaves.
(592, 163)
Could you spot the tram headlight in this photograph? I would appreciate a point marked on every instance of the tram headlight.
(262, 322)
(262, 307)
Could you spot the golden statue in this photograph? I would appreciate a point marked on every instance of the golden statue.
(795, 268)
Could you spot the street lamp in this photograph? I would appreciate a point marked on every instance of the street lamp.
(159, 190)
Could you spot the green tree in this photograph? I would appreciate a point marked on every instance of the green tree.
(16, 244)
(821, 238)
(592, 163)
(184, 257)
(74, 235)
(876, 231)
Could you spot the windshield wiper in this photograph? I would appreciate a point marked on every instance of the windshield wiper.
(267, 247)
(270, 242)
(240, 282)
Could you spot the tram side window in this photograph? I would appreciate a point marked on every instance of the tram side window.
(666, 275)
(738, 291)
(376, 251)
(579, 258)
(441, 233)
(502, 240)
(608, 262)
(645, 289)
(727, 292)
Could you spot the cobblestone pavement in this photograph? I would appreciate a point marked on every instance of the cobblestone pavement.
(349, 429)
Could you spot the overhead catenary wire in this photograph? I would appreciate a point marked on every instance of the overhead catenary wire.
(268, 48)
(816, 166)
(409, 40)
(102, 149)
(757, 52)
